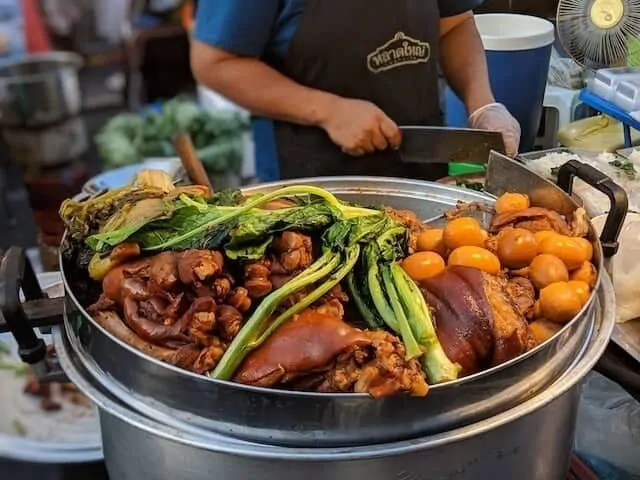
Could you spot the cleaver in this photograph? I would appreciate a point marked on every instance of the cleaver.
(445, 145)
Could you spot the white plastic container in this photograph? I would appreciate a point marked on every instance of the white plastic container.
(606, 80)
(627, 95)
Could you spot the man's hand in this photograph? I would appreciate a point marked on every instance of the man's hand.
(495, 116)
(359, 127)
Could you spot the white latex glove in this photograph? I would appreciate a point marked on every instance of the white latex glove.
(495, 116)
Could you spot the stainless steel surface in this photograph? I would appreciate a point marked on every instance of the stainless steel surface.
(74, 442)
(627, 336)
(444, 144)
(531, 441)
(298, 418)
(48, 146)
(39, 89)
(507, 175)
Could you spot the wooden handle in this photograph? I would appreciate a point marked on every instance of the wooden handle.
(190, 161)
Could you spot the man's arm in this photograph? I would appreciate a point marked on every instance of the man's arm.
(225, 56)
(257, 87)
(463, 60)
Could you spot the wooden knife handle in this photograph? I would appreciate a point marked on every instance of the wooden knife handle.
(190, 161)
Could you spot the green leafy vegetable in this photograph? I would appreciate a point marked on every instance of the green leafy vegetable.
(217, 136)
(625, 167)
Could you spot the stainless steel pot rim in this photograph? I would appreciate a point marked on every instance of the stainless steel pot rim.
(393, 184)
(27, 450)
(23, 450)
(70, 59)
(606, 322)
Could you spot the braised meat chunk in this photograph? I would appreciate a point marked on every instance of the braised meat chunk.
(535, 219)
(477, 321)
(321, 349)
(179, 307)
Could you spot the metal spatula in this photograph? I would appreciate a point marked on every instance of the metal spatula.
(445, 145)
(507, 175)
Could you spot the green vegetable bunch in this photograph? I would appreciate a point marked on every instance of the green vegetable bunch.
(217, 136)
(360, 245)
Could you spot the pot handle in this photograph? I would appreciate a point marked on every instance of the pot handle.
(601, 182)
(17, 275)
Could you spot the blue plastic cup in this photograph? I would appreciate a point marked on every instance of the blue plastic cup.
(518, 49)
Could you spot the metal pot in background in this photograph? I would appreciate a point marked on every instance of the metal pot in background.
(40, 89)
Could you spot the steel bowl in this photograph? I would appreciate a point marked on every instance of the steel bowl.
(310, 419)
(306, 419)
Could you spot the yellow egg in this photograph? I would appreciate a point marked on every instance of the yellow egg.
(475, 257)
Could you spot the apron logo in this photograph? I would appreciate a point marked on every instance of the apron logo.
(401, 50)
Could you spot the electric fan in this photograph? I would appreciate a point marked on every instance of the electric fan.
(600, 33)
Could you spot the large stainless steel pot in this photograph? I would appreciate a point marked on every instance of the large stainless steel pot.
(300, 419)
(531, 441)
(40, 89)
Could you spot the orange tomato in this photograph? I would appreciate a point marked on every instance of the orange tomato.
(568, 249)
(475, 257)
(559, 302)
(546, 269)
(431, 240)
(516, 248)
(582, 289)
(423, 265)
(586, 273)
(512, 202)
(463, 232)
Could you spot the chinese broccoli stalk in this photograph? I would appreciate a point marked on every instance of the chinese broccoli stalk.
(387, 295)
(341, 250)
(435, 362)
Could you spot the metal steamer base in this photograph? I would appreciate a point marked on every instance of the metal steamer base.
(531, 441)
(513, 421)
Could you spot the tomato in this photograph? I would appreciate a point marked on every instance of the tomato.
(423, 265)
(463, 232)
(475, 257)
(431, 240)
(568, 249)
(516, 248)
(559, 302)
(512, 202)
(546, 269)
(586, 273)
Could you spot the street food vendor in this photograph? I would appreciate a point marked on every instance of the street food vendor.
(329, 81)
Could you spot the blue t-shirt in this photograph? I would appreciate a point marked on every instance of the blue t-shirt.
(264, 29)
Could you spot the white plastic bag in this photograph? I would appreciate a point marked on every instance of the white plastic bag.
(625, 267)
